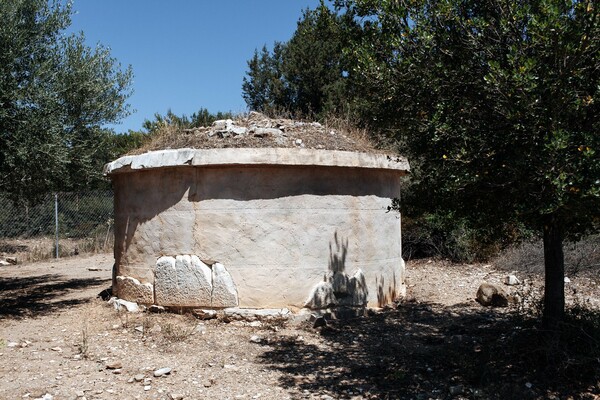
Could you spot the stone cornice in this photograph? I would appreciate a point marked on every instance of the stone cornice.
(256, 156)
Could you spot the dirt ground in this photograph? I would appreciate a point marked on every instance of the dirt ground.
(59, 340)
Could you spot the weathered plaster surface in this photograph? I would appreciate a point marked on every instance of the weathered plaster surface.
(279, 222)
(258, 156)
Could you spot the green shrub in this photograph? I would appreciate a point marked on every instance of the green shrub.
(438, 235)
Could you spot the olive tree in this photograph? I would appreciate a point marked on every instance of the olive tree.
(56, 94)
(498, 105)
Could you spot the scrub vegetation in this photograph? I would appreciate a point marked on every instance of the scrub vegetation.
(497, 106)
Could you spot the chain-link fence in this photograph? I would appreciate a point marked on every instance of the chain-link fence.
(59, 225)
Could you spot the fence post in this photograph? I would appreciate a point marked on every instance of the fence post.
(56, 220)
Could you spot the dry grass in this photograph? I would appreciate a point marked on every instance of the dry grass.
(163, 327)
(44, 248)
(167, 137)
(334, 134)
(528, 257)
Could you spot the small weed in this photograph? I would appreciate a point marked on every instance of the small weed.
(124, 318)
(178, 331)
(398, 375)
(174, 332)
(84, 344)
(529, 300)
(146, 324)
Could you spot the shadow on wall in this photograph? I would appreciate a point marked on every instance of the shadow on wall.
(337, 287)
(273, 182)
(141, 196)
(384, 298)
(337, 258)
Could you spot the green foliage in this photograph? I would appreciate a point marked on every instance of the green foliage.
(78, 213)
(306, 75)
(264, 89)
(55, 94)
(198, 119)
(121, 144)
(35, 221)
(437, 235)
(496, 104)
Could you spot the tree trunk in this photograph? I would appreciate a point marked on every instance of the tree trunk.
(554, 265)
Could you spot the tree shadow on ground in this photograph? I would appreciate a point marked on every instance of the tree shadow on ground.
(40, 295)
(427, 351)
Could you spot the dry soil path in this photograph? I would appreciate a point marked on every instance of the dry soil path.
(58, 340)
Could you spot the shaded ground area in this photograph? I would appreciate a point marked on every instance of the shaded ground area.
(56, 337)
(428, 351)
(37, 289)
(36, 296)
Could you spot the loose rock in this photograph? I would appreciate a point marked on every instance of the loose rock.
(256, 339)
(118, 304)
(204, 314)
(200, 328)
(114, 365)
(156, 309)
(456, 390)
(511, 280)
(491, 295)
(162, 371)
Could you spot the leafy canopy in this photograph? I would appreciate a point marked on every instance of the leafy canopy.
(200, 118)
(305, 76)
(496, 102)
(55, 95)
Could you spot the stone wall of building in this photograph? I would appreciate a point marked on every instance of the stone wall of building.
(257, 228)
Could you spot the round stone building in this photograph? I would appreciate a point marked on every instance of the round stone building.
(257, 228)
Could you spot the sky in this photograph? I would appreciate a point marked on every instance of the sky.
(185, 54)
